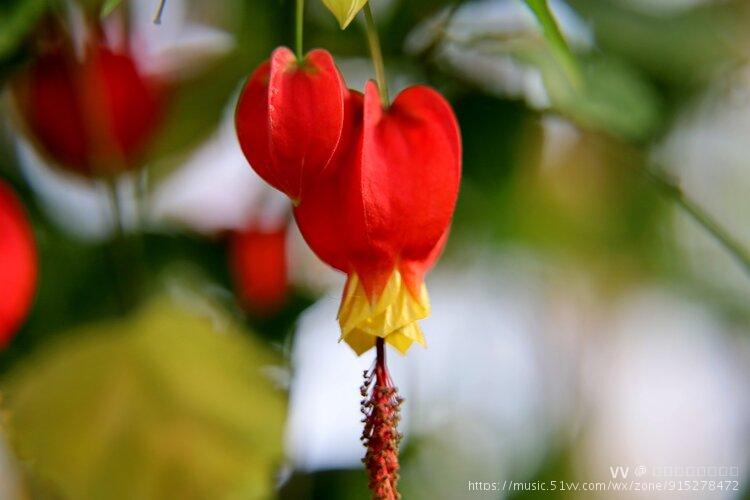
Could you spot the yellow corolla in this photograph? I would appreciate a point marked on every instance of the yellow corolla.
(393, 315)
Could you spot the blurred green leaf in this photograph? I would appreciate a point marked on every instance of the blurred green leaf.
(167, 404)
(329, 484)
(682, 48)
(614, 97)
(109, 6)
(17, 17)
(556, 40)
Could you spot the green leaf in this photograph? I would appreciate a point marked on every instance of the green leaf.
(684, 49)
(16, 19)
(614, 97)
(165, 404)
(108, 7)
(556, 40)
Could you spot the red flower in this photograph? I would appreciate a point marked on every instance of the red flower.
(93, 116)
(289, 118)
(18, 267)
(381, 211)
(258, 265)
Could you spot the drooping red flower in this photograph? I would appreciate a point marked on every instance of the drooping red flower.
(18, 264)
(93, 116)
(289, 118)
(258, 265)
(381, 211)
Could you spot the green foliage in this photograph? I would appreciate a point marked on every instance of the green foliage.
(597, 92)
(488, 120)
(329, 484)
(109, 6)
(17, 17)
(165, 404)
(682, 49)
(614, 97)
(582, 202)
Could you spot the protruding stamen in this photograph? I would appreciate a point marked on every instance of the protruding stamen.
(380, 435)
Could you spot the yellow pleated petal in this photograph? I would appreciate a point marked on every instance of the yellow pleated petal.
(360, 341)
(414, 332)
(393, 315)
(399, 341)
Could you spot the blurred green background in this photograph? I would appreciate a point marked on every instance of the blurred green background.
(581, 320)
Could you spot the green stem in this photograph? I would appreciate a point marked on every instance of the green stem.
(116, 249)
(377, 55)
(675, 193)
(141, 199)
(557, 42)
(300, 17)
(114, 201)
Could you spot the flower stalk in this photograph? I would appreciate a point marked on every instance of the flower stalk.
(672, 191)
(381, 407)
(299, 30)
(376, 53)
(117, 250)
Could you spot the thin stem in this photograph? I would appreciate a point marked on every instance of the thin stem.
(117, 249)
(300, 18)
(672, 191)
(159, 12)
(380, 365)
(141, 199)
(114, 201)
(557, 41)
(675, 193)
(377, 55)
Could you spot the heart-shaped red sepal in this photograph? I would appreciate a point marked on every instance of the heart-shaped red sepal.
(289, 118)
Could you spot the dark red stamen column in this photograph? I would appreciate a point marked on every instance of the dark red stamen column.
(381, 407)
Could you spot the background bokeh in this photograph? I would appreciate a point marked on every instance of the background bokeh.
(581, 319)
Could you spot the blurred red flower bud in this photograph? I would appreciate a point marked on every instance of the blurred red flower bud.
(289, 118)
(18, 264)
(258, 265)
(381, 211)
(92, 116)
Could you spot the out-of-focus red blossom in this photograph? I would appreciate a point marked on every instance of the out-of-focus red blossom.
(93, 116)
(289, 118)
(18, 264)
(258, 265)
(381, 211)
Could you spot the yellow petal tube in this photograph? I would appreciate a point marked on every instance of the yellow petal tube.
(393, 315)
(345, 10)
